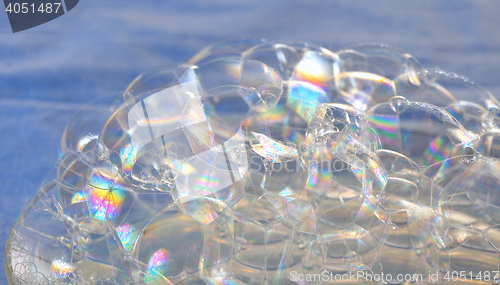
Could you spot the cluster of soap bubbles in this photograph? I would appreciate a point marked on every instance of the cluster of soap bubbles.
(264, 162)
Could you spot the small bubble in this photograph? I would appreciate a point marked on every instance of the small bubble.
(418, 251)
(351, 256)
(398, 103)
(469, 151)
(494, 110)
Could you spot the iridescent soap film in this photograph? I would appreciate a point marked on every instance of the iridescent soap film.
(263, 162)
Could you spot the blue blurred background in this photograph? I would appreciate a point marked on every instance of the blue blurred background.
(48, 72)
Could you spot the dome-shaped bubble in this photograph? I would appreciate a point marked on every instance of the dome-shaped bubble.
(367, 73)
(235, 72)
(297, 60)
(307, 71)
(225, 49)
(473, 106)
(422, 132)
(379, 59)
(83, 130)
(232, 90)
(156, 79)
(162, 261)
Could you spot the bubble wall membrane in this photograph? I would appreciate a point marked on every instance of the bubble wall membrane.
(264, 162)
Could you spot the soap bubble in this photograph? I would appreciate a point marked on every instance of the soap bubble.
(297, 61)
(82, 131)
(472, 105)
(156, 79)
(381, 60)
(224, 49)
(260, 162)
(422, 132)
(367, 73)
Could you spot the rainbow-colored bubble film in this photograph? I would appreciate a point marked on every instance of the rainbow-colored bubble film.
(128, 235)
(157, 264)
(129, 156)
(61, 269)
(265, 162)
(105, 197)
(79, 197)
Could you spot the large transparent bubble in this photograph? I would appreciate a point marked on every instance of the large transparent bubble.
(263, 162)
